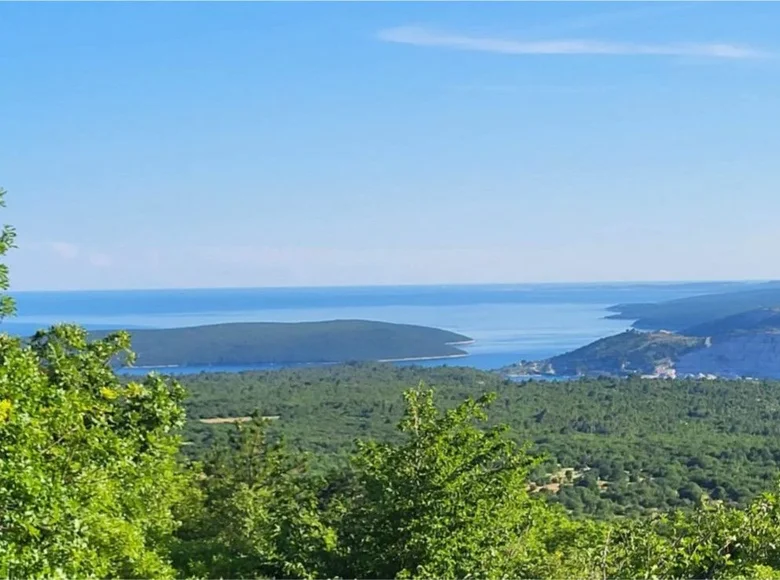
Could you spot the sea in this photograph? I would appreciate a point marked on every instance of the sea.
(508, 322)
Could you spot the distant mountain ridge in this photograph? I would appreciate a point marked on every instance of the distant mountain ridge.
(750, 322)
(684, 313)
(303, 342)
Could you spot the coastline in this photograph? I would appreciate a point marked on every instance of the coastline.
(414, 358)
(216, 368)
(466, 342)
(152, 367)
(461, 342)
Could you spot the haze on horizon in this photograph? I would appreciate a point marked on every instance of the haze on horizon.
(152, 145)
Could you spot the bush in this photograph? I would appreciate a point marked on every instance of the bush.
(88, 474)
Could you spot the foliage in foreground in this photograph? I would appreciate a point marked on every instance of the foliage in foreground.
(88, 471)
(449, 501)
(255, 513)
(90, 487)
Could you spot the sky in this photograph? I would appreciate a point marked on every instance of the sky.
(167, 145)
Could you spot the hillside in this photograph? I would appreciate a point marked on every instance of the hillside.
(305, 342)
(631, 352)
(741, 345)
(683, 313)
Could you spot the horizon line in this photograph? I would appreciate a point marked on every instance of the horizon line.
(410, 285)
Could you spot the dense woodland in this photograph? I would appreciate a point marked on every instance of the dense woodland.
(615, 446)
(94, 481)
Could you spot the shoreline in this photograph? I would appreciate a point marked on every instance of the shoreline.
(295, 364)
(468, 342)
(152, 367)
(414, 358)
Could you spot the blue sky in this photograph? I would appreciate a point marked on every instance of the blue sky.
(150, 145)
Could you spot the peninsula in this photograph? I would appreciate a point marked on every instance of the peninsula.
(744, 345)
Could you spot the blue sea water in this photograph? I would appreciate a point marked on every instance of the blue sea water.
(508, 322)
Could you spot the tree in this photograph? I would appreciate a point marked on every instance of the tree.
(87, 465)
(7, 238)
(256, 514)
(88, 472)
(714, 541)
(692, 492)
(449, 502)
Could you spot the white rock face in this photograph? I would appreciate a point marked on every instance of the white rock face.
(754, 355)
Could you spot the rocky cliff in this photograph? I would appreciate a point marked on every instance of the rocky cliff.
(743, 345)
(750, 355)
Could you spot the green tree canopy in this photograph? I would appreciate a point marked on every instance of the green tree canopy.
(255, 514)
(449, 502)
(88, 474)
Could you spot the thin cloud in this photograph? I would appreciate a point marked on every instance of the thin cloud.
(420, 36)
(65, 250)
(71, 252)
(100, 260)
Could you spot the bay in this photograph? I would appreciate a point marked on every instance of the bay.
(508, 322)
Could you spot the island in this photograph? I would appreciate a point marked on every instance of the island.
(255, 343)
(744, 345)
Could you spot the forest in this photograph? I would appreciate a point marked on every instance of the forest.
(609, 447)
(368, 473)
